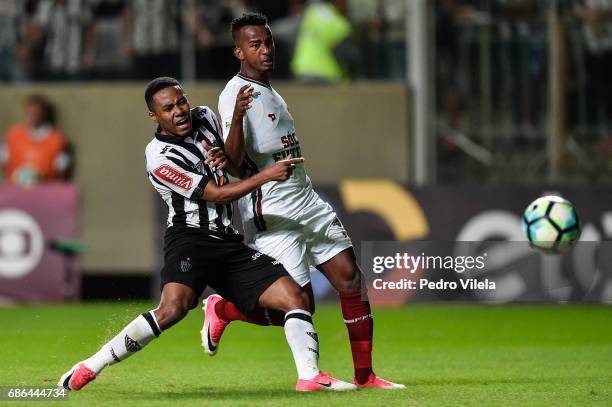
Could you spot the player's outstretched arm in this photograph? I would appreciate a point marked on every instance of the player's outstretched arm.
(280, 171)
(234, 144)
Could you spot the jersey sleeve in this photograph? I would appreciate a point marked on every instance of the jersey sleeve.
(227, 101)
(173, 173)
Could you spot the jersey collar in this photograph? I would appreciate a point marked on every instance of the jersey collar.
(249, 79)
(182, 142)
(171, 139)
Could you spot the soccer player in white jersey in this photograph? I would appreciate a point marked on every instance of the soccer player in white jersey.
(287, 221)
(200, 246)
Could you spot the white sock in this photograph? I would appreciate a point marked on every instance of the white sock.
(136, 335)
(304, 342)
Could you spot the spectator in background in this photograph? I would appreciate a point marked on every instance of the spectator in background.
(213, 40)
(324, 51)
(286, 30)
(110, 40)
(16, 44)
(35, 150)
(383, 36)
(521, 61)
(274, 10)
(154, 29)
(453, 19)
(596, 17)
(66, 30)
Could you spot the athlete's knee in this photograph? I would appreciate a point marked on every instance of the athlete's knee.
(294, 298)
(170, 312)
(309, 304)
(284, 295)
(311, 307)
(349, 277)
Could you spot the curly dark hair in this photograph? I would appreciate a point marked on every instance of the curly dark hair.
(245, 20)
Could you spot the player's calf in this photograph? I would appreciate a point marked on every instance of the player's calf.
(136, 335)
(285, 295)
(175, 303)
(218, 313)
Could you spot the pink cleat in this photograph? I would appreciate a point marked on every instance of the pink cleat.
(213, 325)
(323, 381)
(376, 382)
(77, 377)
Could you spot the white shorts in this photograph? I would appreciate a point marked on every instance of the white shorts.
(311, 238)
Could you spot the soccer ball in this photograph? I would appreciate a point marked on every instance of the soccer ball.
(551, 224)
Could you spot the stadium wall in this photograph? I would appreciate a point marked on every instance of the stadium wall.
(357, 130)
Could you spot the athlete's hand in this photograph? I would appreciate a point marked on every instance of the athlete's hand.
(282, 170)
(244, 101)
(216, 157)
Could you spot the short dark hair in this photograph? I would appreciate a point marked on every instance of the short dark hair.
(156, 85)
(245, 20)
(48, 109)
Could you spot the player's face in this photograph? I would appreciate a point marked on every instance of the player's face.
(35, 113)
(255, 48)
(171, 112)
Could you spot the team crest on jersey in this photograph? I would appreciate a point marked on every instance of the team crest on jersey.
(174, 176)
(186, 265)
(200, 112)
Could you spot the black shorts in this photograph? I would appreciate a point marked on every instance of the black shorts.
(235, 271)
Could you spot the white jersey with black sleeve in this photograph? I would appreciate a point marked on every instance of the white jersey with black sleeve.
(176, 169)
(269, 137)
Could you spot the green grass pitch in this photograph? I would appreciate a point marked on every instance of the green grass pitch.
(448, 354)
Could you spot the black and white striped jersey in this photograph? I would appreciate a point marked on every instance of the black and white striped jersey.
(176, 169)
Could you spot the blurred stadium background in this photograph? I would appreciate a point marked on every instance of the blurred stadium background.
(442, 120)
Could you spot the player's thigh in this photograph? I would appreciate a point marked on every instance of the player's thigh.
(183, 265)
(289, 248)
(245, 275)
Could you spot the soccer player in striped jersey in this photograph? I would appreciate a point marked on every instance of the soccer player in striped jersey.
(186, 166)
(285, 220)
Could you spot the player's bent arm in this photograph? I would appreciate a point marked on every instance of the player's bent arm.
(234, 144)
(230, 192)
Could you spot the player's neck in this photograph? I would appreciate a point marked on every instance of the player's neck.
(262, 77)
